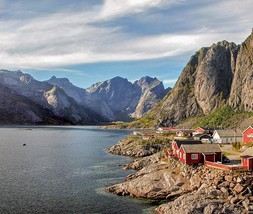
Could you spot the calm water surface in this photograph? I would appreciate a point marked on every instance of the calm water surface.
(62, 170)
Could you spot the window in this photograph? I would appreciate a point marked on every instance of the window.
(194, 156)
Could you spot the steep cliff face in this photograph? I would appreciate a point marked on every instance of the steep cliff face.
(214, 76)
(241, 96)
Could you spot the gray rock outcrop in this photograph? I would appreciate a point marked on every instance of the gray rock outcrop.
(187, 189)
(215, 76)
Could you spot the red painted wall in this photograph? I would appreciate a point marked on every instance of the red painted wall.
(250, 164)
(175, 149)
(189, 159)
(244, 161)
(248, 135)
(218, 156)
(210, 158)
(181, 155)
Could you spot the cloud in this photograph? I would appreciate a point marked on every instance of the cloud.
(116, 8)
(33, 49)
(65, 70)
(69, 37)
(170, 81)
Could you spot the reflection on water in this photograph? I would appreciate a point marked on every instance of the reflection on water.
(62, 170)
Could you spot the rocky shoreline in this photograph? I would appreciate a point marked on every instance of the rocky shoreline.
(188, 189)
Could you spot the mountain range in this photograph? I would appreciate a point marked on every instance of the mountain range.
(216, 77)
(217, 80)
(25, 100)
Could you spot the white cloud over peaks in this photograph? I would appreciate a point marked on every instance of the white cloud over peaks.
(74, 37)
(115, 8)
(169, 82)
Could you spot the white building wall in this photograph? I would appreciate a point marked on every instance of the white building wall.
(216, 137)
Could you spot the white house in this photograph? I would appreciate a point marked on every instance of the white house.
(227, 136)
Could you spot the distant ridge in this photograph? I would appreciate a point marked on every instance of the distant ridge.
(116, 99)
(25, 100)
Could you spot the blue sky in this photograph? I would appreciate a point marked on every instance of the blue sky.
(89, 41)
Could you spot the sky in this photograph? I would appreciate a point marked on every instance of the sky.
(89, 41)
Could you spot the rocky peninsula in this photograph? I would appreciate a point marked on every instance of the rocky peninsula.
(187, 189)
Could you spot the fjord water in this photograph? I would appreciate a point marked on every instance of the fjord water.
(61, 170)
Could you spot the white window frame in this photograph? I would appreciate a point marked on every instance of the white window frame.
(194, 156)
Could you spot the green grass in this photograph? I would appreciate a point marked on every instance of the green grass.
(146, 121)
(227, 153)
(218, 117)
(225, 117)
(53, 90)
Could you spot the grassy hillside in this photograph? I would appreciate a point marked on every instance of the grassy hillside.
(225, 117)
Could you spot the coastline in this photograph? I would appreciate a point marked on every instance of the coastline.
(185, 188)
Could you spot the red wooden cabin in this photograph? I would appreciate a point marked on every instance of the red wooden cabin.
(247, 135)
(247, 158)
(176, 144)
(198, 130)
(201, 130)
(199, 153)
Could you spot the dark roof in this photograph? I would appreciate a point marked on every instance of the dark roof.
(247, 156)
(209, 153)
(186, 142)
(248, 152)
(228, 133)
(202, 135)
(207, 128)
(185, 130)
(201, 148)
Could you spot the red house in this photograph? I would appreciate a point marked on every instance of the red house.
(201, 130)
(247, 135)
(199, 153)
(247, 158)
(198, 130)
(184, 132)
(147, 136)
(176, 144)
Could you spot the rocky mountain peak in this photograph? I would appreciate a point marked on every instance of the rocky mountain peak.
(147, 80)
(227, 45)
(57, 81)
(214, 76)
(118, 79)
(120, 99)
